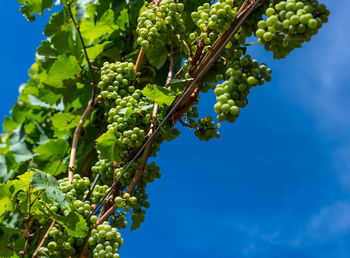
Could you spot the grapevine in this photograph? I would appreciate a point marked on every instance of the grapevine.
(131, 72)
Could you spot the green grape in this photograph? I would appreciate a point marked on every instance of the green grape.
(105, 241)
(157, 28)
(241, 75)
(214, 19)
(289, 24)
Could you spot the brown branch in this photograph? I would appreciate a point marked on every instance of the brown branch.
(106, 215)
(38, 230)
(141, 168)
(17, 207)
(76, 139)
(27, 236)
(110, 199)
(77, 27)
(90, 105)
(9, 247)
(36, 198)
(44, 239)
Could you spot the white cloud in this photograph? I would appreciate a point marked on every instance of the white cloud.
(331, 222)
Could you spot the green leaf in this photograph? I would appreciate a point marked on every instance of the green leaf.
(177, 85)
(63, 69)
(162, 56)
(41, 180)
(47, 54)
(95, 51)
(19, 112)
(123, 20)
(7, 162)
(158, 94)
(51, 156)
(74, 223)
(9, 125)
(129, 111)
(52, 149)
(21, 151)
(12, 187)
(64, 121)
(57, 20)
(32, 7)
(10, 236)
(109, 146)
(3, 167)
(105, 25)
(19, 146)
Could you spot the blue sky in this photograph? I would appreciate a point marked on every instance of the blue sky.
(277, 182)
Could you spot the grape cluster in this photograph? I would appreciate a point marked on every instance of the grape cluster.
(206, 129)
(105, 241)
(60, 244)
(126, 201)
(243, 74)
(103, 167)
(79, 189)
(213, 19)
(118, 220)
(289, 24)
(157, 27)
(129, 112)
(130, 130)
(121, 97)
(116, 79)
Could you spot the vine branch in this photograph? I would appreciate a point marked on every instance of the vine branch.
(141, 168)
(90, 105)
(44, 238)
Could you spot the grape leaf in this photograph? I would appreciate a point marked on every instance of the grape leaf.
(53, 149)
(64, 121)
(109, 146)
(46, 54)
(57, 20)
(92, 31)
(64, 68)
(12, 187)
(95, 51)
(51, 156)
(19, 146)
(74, 223)
(21, 151)
(9, 125)
(162, 56)
(178, 85)
(129, 111)
(158, 94)
(41, 180)
(32, 7)
(7, 237)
